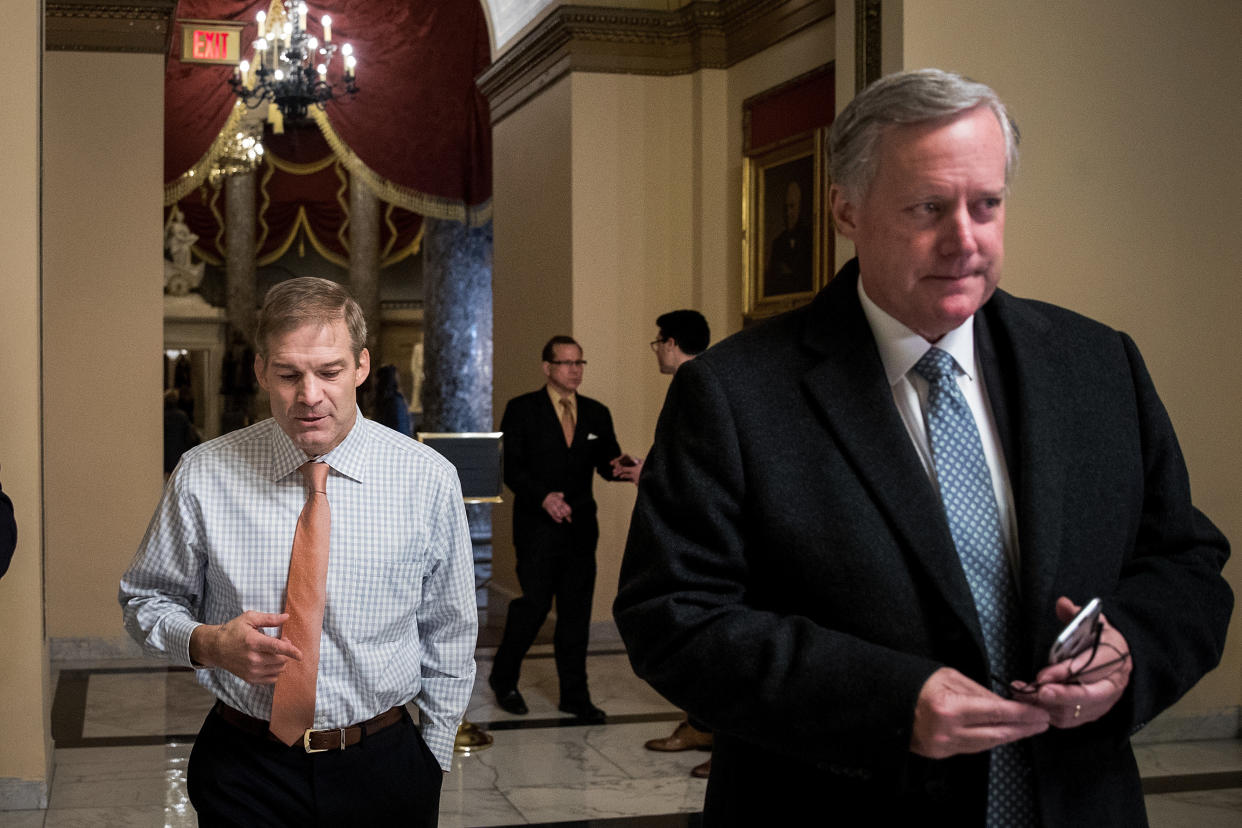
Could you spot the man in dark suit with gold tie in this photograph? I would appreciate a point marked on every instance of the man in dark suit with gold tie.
(555, 440)
(863, 523)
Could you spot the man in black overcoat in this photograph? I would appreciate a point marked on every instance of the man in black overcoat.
(793, 577)
(8, 532)
(555, 440)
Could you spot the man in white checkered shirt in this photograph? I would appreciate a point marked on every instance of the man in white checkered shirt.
(206, 589)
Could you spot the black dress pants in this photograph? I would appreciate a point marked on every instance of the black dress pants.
(557, 564)
(243, 779)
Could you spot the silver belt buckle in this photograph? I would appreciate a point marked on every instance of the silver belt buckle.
(306, 737)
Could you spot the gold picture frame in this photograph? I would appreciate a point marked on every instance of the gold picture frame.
(786, 228)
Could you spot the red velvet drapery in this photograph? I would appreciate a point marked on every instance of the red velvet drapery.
(418, 130)
(302, 195)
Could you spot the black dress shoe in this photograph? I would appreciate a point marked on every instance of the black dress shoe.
(584, 711)
(510, 700)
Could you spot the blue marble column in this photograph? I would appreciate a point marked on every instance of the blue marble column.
(457, 338)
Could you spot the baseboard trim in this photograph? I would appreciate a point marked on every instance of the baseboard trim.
(1175, 726)
(604, 632)
(1170, 726)
(22, 794)
(62, 650)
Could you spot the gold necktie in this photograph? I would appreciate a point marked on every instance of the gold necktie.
(567, 420)
(293, 702)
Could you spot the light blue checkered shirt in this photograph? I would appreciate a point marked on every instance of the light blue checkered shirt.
(400, 621)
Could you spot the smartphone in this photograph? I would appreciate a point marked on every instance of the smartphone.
(1078, 634)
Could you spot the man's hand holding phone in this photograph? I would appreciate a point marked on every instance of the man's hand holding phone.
(1086, 682)
(627, 467)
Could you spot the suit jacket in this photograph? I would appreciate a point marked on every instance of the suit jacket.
(8, 532)
(537, 461)
(790, 578)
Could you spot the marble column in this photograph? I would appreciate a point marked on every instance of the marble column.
(239, 404)
(364, 241)
(457, 337)
(457, 324)
(240, 253)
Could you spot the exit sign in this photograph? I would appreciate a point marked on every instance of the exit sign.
(211, 41)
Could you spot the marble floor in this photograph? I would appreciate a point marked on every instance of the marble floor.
(123, 732)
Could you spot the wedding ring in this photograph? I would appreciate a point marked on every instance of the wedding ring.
(1077, 710)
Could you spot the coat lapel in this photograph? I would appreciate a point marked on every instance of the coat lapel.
(849, 387)
(1020, 369)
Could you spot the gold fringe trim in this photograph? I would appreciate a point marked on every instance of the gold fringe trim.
(294, 168)
(385, 190)
(199, 174)
(214, 203)
(342, 232)
(389, 257)
(268, 172)
(404, 253)
(323, 250)
(301, 224)
(202, 252)
(392, 231)
(207, 257)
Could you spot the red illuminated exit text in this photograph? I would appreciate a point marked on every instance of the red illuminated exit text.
(210, 45)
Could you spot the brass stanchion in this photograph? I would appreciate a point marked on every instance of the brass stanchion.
(471, 739)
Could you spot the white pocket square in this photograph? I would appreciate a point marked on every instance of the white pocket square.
(592, 437)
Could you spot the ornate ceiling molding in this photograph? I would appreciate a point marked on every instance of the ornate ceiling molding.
(142, 26)
(704, 34)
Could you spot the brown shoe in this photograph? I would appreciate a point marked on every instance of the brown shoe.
(702, 771)
(684, 737)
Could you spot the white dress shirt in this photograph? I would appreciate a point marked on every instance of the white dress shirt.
(400, 622)
(900, 349)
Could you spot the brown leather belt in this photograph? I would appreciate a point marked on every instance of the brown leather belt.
(313, 741)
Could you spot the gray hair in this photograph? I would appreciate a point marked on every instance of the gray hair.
(901, 98)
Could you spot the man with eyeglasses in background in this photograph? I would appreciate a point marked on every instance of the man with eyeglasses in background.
(683, 335)
(555, 439)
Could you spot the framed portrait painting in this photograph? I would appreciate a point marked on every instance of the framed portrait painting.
(788, 243)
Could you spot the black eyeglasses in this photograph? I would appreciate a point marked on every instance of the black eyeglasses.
(1087, 672)
(655, 343)
(578, 363)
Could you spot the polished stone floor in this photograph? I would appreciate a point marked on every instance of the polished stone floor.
(123, 732)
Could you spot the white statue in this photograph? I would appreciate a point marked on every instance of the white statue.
(416, 368)
(181, 275)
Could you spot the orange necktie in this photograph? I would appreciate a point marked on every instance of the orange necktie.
(293, 702)
(567, 420)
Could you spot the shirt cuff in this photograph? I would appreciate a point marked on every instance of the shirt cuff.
(177, 631)
(440, 743)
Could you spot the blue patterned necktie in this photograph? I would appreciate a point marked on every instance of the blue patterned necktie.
(974, 521)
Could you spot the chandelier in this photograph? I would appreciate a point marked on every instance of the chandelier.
(240, 153)
(291, 66)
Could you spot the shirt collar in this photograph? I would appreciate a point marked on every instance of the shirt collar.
(900, 348)
(556, 398)
(348, 458)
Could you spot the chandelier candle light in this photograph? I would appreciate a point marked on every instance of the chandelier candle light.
(291, 66)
